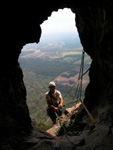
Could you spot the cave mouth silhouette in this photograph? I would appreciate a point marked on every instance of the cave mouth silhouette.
(95, 27)
(51, 41)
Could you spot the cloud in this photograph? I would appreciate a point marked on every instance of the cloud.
(62, 21)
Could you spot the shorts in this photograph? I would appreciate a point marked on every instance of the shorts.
(52, 113)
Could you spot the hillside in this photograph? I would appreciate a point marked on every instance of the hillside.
(21, 25)
(58, 61)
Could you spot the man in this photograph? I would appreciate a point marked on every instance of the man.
(55, 102)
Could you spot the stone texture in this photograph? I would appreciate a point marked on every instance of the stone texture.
(95, 43)
(20, 24)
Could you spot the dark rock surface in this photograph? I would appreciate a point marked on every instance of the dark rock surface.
(20, 24)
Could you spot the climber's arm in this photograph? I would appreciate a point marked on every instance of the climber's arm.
(61, 102)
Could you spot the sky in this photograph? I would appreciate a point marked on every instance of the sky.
(62, 21)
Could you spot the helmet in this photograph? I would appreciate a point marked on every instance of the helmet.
(52, 84)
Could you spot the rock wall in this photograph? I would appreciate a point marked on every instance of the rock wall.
(95, 28)
(20, 24)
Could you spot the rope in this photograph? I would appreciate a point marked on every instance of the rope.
(65, 133)
(80, 76)
(79, 86)
(79, 91)
(68, 138)
(95, 123)
(89, 114)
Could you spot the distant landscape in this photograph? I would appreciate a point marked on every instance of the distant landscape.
(54, 59)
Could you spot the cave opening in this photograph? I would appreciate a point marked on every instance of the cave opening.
(56, 57)
(21, 25)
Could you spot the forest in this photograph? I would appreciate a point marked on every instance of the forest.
(39, 72)
(57, 61)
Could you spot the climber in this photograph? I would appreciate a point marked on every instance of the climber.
(54, 101)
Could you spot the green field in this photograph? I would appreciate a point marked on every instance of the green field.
(45, 63)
